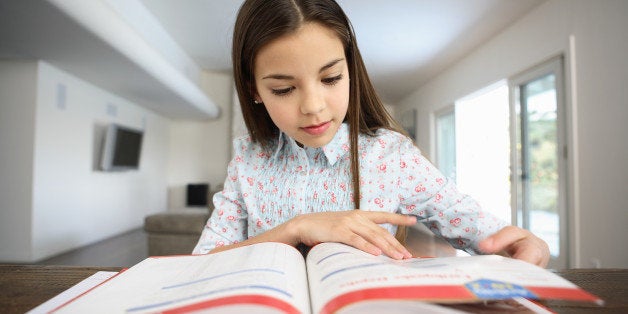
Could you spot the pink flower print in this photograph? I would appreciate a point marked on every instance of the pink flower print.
(382, 187)
(419, 188)
(325, 185)
(221, 212)
(271, 179)
(440, 214)
(230, 217)
(379, 202)
(250, 181)
(438, 197)
(440, 181)
(345, 147)
(238, 158)
(220, 243)
(315, 196)
(333, 197)
(403, 164)
(299, 168)
(233, 178)
(260, 186)
(343, 187)
(262, 155)
(410, 207)
(259, 223)
(455, 222)
(224, 230)
(239, 211)
(466, 229)
(263, 208)
(422, 213)
(382, 143)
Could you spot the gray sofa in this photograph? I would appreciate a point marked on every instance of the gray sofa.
(175, 232)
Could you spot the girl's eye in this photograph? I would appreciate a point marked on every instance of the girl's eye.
(283, 91)
(332, 80)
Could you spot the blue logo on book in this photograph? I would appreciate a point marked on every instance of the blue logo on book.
(492, 289)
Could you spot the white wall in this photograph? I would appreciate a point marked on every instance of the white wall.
(74, 204)
(597, 103)
(200, 151)
(17, 116)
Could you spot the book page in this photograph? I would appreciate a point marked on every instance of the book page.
(340, 275)
(73, 292)
(268, 276)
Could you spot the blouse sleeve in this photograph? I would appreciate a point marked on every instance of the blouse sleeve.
(437, 203)
(228, 222)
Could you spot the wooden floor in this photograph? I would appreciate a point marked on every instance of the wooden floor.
(130, 248)
(124, 250)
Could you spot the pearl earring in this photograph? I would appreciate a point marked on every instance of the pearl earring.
(256, 102)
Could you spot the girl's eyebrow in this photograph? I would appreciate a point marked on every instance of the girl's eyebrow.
(290, 77)
(330, 64)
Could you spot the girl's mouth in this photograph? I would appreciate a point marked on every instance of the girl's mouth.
(317, 129)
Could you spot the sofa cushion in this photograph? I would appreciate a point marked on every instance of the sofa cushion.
(185, 221)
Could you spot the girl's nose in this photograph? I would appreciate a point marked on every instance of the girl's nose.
(312, 102)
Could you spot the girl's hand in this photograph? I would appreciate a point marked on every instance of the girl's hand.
(357, 228)
(517, 243)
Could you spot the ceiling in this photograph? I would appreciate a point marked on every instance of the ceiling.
(404, 42)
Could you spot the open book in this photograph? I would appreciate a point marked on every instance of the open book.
(274, 277)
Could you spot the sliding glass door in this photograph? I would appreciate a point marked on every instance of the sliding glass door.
(505, 146)
(539, 156)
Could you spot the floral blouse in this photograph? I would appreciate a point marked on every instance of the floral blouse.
(265, 189)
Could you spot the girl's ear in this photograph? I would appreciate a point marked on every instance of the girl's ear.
(256, 98)
(254, 94)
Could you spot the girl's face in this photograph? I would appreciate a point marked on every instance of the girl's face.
(303, 81)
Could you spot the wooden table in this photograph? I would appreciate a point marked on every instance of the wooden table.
(25, 287)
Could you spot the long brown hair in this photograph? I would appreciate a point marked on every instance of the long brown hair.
(261, 21)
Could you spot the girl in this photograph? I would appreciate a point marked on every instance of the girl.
(324, 161)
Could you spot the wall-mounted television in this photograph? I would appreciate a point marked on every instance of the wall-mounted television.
(122, 147)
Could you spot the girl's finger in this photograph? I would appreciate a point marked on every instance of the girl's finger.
(391, 218)
(502, 239)
(381, 238)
